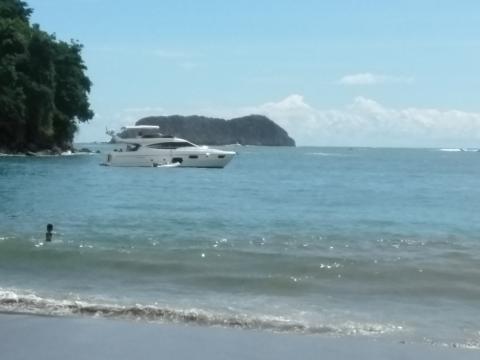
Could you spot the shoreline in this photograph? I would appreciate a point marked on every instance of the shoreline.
(26, 336)
(49, 153)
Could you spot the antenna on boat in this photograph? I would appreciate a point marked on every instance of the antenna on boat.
(109, 132)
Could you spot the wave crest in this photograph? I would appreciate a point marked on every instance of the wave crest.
(11, 301)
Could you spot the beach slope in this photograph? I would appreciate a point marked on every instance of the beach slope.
(41, 337)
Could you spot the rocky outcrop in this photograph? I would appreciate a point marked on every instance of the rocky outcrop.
(246, 130)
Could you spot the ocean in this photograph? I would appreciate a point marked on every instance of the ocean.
(373, 242)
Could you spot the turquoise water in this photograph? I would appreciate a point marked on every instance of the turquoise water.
(366, 242)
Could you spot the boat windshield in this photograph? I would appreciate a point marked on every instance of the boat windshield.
(134, 132)
(132, 147)
(171, 145)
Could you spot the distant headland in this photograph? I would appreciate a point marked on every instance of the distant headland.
(246, 130)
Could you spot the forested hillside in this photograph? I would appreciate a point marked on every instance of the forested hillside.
(43, 85)
(246, 130)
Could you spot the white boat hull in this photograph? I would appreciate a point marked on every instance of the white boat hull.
(157, 150)
(211, 159)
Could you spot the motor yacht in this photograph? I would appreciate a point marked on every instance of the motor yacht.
(144, 145)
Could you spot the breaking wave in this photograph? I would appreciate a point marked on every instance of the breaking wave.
(30, 303)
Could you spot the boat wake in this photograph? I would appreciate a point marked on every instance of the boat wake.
(169, 165)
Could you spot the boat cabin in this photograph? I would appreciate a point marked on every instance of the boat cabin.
(139, 131)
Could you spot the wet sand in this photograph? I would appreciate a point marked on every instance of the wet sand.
(42, 337)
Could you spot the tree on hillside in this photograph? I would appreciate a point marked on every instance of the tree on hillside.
(43, 85)
(15, 9)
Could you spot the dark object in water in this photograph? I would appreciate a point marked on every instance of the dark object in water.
(49, 233)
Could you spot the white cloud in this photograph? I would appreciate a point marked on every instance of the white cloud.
(365, 122)
(373, 79)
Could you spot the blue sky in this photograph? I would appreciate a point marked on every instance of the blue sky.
(368, 73)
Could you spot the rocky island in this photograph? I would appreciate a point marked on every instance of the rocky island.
(246, 130)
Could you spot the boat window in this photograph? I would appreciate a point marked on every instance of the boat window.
(171, 145)
(152, 136)
(132, 147)
(193, 156)
(221, 156)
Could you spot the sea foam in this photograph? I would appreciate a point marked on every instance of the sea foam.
(15, 301)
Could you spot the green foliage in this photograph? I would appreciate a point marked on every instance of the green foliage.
(43, 86)
(14, 9)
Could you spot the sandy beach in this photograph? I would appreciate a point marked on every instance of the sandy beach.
(42, 337)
